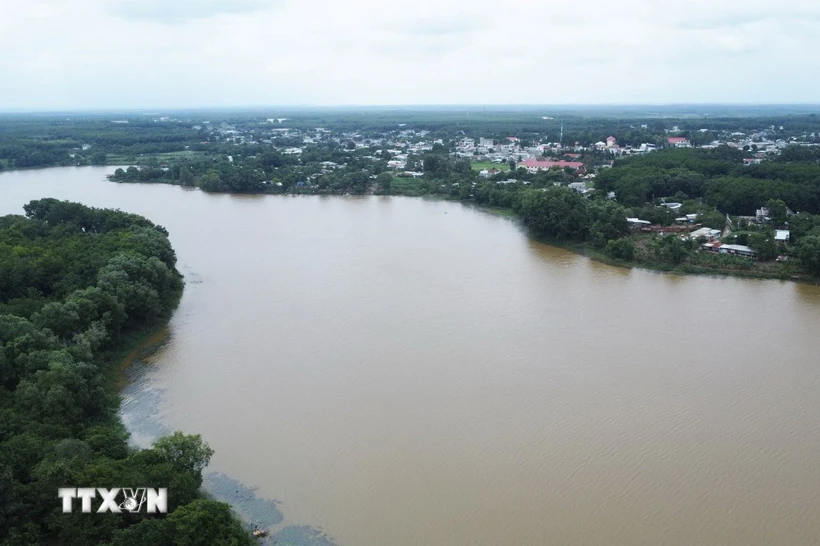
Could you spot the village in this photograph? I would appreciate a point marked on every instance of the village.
(526, 160)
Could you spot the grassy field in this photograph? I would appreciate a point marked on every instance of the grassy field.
(116, 159)
(481, 165)
(407, 186)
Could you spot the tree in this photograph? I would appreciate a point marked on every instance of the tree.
(713, 219)
(413, 163)
(210, 181)
(632, 191)
(777, 211)
(436, 165)
(187, 453)
(186, 178)
(357, 181)
(62, 319)
(808, 250)
(622, 249)
(608, 222)
(556, 212)
(671, 249)
(85, 275)
(384, 182)
(154, 531)
(98, 158)
(763, 244)
(207, 523)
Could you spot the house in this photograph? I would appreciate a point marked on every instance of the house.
(736, 250)
(688, 219)
(611, 141)
(751, 161)
(635, 223)
(673, 206)
(534, 165)
(781, 236)
(645, 148)
(707, 233)
(679, 142)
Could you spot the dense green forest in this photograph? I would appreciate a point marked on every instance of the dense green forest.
(718, 177)
(75, 284)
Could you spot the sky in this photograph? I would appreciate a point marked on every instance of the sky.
(144, 54)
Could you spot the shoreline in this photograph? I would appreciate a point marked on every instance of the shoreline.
(588, 251)
(252, 511)
(583, 249)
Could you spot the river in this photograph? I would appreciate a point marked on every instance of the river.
(404, 371)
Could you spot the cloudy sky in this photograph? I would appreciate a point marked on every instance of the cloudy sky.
(100, 54)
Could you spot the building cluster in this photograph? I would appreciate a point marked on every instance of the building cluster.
(398, 146)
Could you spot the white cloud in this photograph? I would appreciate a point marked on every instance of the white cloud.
(189, 53)
(178, 11)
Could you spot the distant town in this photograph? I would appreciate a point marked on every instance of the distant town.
(739, 194)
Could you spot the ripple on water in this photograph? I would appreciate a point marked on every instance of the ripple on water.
(140, 414)
(301, 535)
(139, 407)
(262, 513)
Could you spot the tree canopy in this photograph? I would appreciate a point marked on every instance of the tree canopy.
(74, 283)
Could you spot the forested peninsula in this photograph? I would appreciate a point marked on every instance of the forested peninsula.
(77, 285)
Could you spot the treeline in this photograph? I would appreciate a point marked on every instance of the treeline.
(257, 171)
(75, 282)
(563, 215)
(49, 141)
(551, 209)
(719, 178)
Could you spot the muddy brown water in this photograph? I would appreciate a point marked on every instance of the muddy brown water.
(405, 371)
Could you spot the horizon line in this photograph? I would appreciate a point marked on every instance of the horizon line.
(155, 109)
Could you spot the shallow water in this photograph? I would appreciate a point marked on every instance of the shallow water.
(403, 371)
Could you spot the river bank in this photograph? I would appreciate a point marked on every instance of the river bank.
(788, 271)
(768, 271)
(140, 398)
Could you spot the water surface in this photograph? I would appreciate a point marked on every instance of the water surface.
(402, 371)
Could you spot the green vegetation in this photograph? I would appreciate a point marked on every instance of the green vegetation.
(75, 283)
(489, 165)
(719, 178)
(409, 186)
